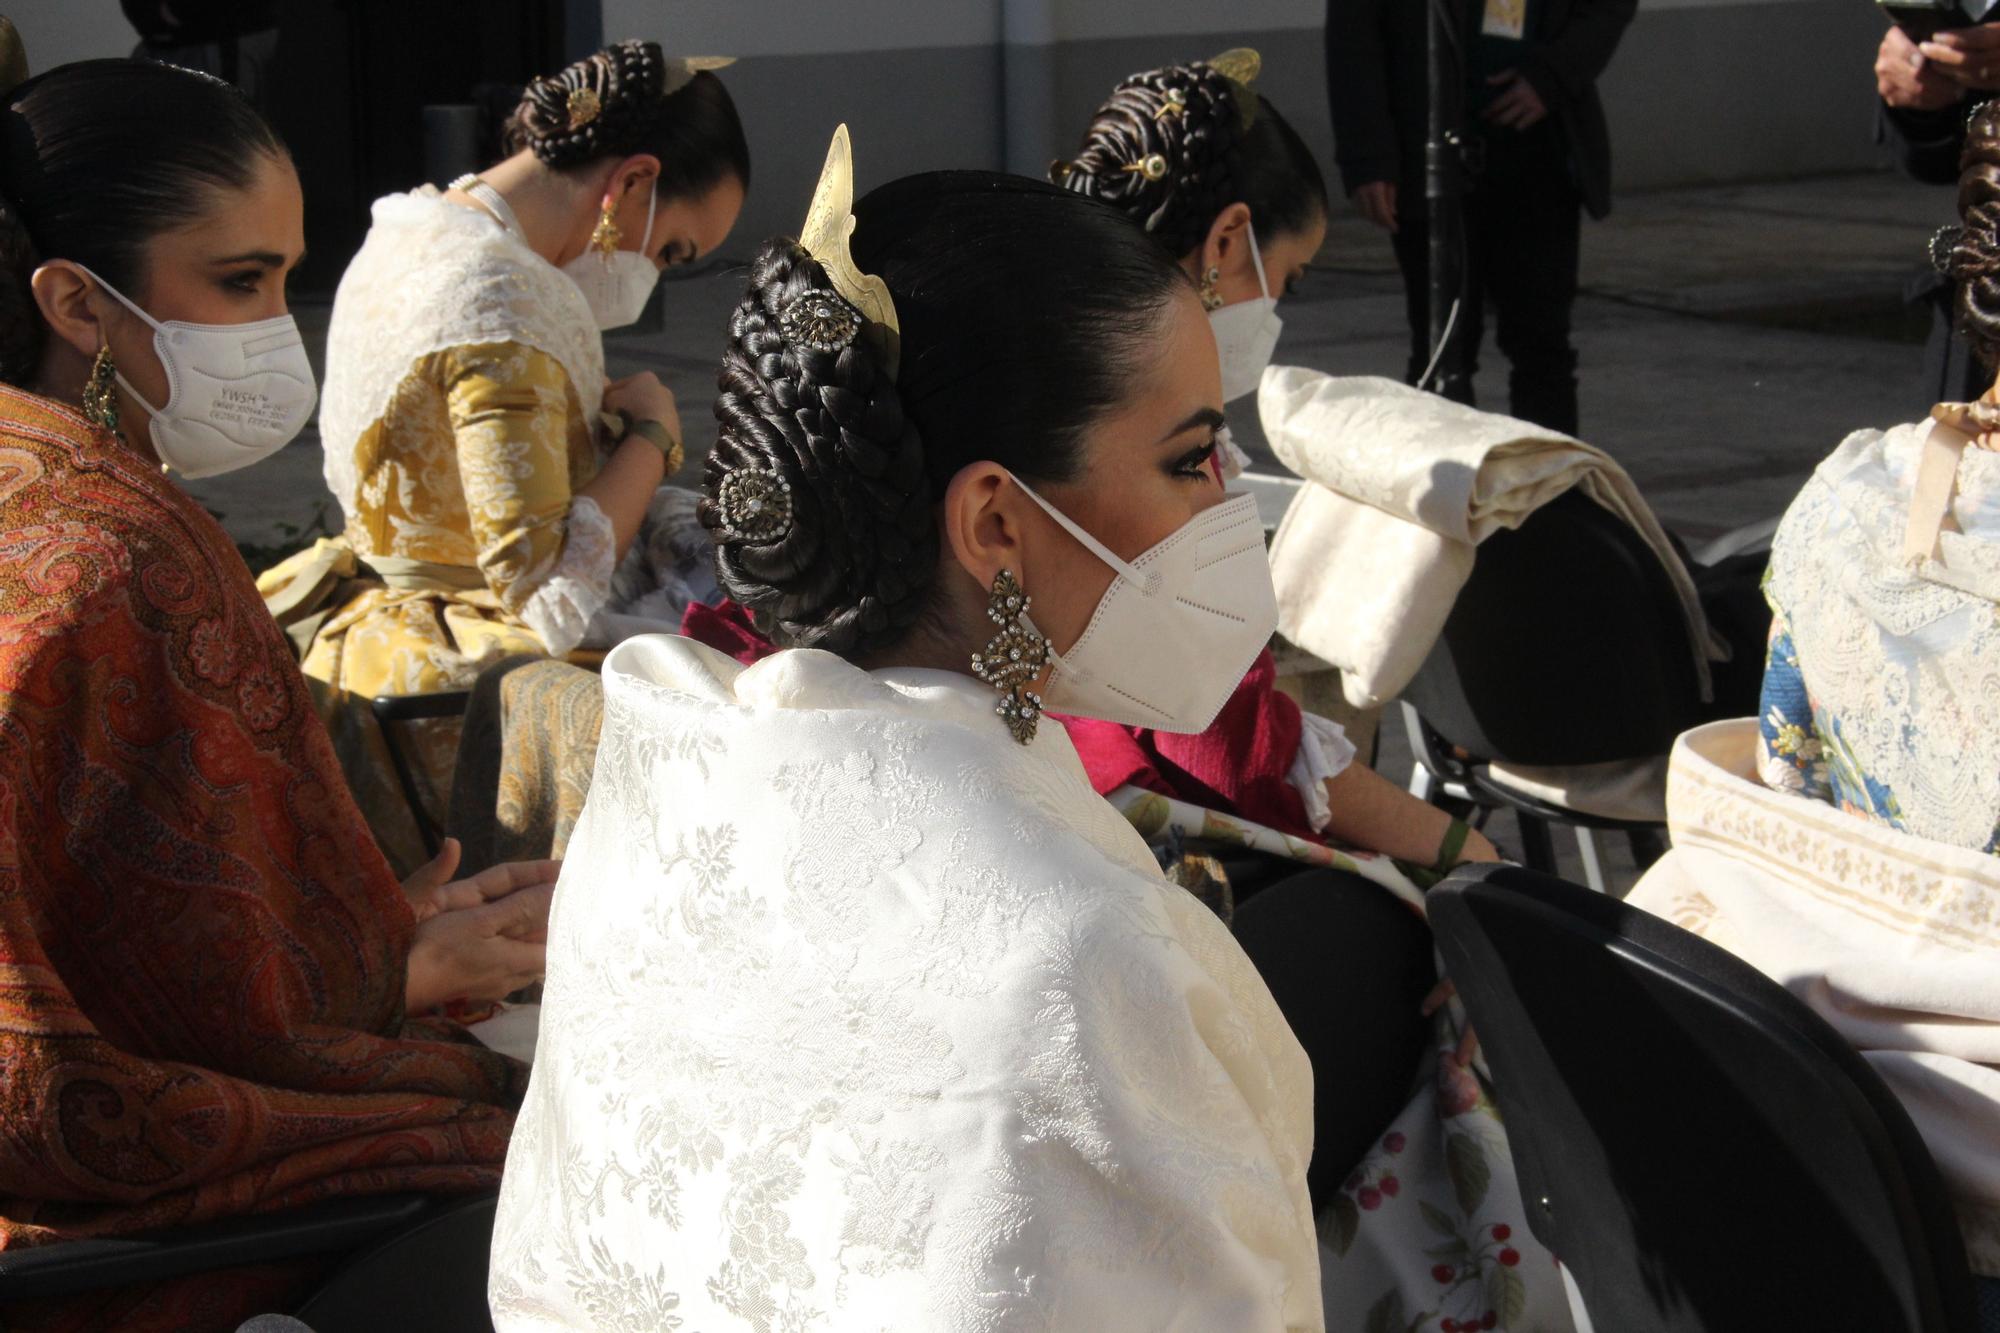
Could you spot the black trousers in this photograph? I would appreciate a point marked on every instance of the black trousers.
(1349, 967)
(1523, 226)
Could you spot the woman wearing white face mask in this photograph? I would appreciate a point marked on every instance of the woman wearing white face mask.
(854, 966)
(1211, 170)
(200, 944)
(489, 499)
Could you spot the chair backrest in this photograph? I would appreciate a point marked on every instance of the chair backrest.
(430, 1277)
(1697, 1146)
(1567, 645)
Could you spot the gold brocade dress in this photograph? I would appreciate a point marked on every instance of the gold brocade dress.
(457, 459)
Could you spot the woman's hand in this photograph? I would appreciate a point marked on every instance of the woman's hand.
(643, 398)
(481, 938)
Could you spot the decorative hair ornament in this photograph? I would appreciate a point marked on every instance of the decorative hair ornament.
(1175, 104)
(584, 107)
(1240, 65)
(1943, 241)
(1013, 657)
(829, 223)
(681, 71)
(1152, 166)
(819, 320)
(755, 505)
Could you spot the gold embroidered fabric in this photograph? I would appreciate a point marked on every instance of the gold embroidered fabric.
(474, 464)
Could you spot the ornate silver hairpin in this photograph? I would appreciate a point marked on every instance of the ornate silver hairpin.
(755, 505)
(821, 321)
(1943, 241)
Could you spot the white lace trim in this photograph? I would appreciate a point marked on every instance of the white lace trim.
(1906, 661)
(1324, 752)
(560, 610)
(433, 275)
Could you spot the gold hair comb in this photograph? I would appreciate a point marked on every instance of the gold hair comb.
(681, 71)
(829, 223)
(1240, 65)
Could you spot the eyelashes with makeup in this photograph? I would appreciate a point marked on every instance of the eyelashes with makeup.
(1193, 465)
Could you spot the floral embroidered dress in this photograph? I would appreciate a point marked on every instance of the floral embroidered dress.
(202, 953)
(464, 374)
(1882, 684)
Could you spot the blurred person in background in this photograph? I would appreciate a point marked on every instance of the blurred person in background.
(1541, 155)
(1929, 89)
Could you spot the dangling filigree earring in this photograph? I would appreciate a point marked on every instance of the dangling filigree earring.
(605, 237)
(1013, 657)
(100, 392)
(1211, 299)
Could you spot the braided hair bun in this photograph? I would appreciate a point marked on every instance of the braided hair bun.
(1171, 170)
(605, 103)
(851, 570)
(1972, 260)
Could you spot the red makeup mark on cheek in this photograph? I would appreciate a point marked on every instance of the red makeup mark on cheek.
(1215, 465)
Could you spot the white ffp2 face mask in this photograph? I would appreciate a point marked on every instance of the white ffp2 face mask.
(617, 285)
(237, 393)
(1246, 333)
(1177, 630)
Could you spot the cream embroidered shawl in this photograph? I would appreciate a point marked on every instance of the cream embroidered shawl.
(1369, 560)
(1893, 939)
(432, 275)
(860, 1015)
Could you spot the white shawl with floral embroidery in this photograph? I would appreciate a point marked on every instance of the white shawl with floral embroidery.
(860, 1015)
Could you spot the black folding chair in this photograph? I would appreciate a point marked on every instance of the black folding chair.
(1698, 1148)
(416, 1261)
(390, 711)
(1567, 646)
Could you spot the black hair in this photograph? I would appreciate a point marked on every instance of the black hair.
(1972, 260)
(1174, 171)
(99, 157)
(693, 130)
(1026, 315)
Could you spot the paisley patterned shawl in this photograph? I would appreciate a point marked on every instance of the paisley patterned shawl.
(202, 952)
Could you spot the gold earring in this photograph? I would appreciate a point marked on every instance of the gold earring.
(605, 238)
(1013, 657)
(1211, 299)
(100, 392)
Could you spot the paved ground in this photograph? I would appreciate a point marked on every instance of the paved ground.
(1729, 337)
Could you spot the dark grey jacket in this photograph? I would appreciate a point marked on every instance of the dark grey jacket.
(1375, 67)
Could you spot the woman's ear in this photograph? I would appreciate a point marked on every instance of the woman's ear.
(63, 294)
(635, 171)
(1227, 247)
(982, 522)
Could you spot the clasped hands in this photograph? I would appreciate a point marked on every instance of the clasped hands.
(477, 939)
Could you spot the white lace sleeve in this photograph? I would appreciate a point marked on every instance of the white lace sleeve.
(1324, 752)
(559, 611)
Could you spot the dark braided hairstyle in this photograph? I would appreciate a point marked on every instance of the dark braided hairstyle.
(693, 130)
(1972, 258)
(1212, 153)
(99, 157)
(1027, 315)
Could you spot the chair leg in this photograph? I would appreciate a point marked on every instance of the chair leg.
(1538, 849)
(1593, 868)
(1423, 784)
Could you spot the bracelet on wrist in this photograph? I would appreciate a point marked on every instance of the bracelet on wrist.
(656, 434)
(1452, 847)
